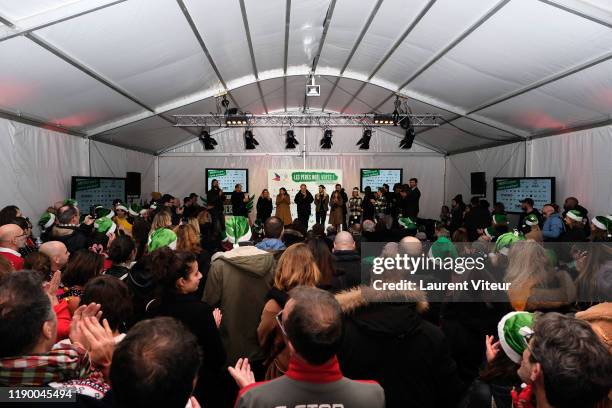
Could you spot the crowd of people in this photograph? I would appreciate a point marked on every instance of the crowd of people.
(178, 305)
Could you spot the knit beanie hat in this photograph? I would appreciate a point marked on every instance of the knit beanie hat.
(575, 215)
(505, 241)
(135, 210)
(71, 201)
(500, 219)
(105, 225)
(237, 229)
(46, 220)
(407, 223)
(531, 220)
(511, 329)
(162, 237)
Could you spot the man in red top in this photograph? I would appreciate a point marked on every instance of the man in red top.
(12, 237)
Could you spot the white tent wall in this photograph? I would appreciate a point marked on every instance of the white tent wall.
(36, 166)
(112, 161)
(502, 161)
(582, 164)
(181, 171)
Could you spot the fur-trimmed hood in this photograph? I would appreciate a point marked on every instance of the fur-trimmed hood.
(361, 296)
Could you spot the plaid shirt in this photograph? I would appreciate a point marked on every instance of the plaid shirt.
(355, 209)
(380, 205)
(63, 363)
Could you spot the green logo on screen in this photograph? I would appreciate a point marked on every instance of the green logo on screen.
(217, 173)
(370, 173)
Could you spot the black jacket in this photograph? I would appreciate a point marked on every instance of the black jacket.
(391, 343)
(197, 317)
(303, 203)
(79, 238)
(347, 265)
(215, 200)
(413, 202)
(477, 217)
(264, 209)
(238, 205)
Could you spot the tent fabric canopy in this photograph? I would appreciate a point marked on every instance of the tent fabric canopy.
(498, 71)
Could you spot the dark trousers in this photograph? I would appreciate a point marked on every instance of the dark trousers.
(304, 217)
(320, 217)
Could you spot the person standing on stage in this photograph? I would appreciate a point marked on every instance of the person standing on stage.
(215, 198)
(380, 203)
(367, 205)
(303, 200)
(355, 208)
(321, 205)
(264, 206)
(414, 194)
(239, 201)
(336, 215)
(344, 201)
(283, 201)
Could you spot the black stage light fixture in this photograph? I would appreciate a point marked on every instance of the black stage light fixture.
(249, 140)
(364, 142)
(384, 120)
(326, 142)
(207, 141)
(236, 120)
(290, 141)
(406, 142)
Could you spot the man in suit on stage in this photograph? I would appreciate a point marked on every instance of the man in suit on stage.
(414, 195)
(303, 199)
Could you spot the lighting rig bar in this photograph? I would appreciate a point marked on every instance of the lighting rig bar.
(305, 120)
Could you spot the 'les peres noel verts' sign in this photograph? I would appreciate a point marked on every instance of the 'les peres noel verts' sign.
(313, 177)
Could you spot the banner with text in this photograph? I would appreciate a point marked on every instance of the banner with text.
(291, 179)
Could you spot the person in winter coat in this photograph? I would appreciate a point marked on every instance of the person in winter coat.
(387, 340)
(296, 267)
(264, 206)
(303, 199)
(321, 201)
(282, 206)
(553, 224)
(238, 282)
(239, 202)
(336, 216)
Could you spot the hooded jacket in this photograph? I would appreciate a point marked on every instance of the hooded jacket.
(553, 227)
(237, 283)
(386, 340)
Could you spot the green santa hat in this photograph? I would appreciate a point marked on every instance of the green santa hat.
(511, 331)
(602, 223)
(102, 212)
(490, 232)
(505, 241)
(575, 215)
(500, 219)
(407, 223)
(135, 209)
(237, 229)
(443, 248)
(162, 237)
(121, 206)
(71, 201)
(532, 220)
(46, 220)
(105, 226)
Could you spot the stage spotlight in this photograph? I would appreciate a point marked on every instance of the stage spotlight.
(236, 120)
(207, 141)
(249, 140)
(384, 120)
(290, 140)
(364, 142)
(406, 142)
(326, 142)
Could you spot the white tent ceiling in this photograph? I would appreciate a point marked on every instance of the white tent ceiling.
(497, 70)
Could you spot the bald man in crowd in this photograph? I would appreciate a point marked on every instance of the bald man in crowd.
(347, 260)
(57, 253)
(12, 238)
